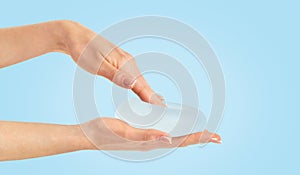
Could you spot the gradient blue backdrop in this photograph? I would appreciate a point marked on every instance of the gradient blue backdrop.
(258, 46)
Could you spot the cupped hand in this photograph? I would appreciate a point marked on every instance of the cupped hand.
(115, 134)
(98, 56)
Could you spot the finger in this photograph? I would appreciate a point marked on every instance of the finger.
(131, 80)
(151, 142)
(195, 138)
(137, 134)
(141, 88)
(216, 139)
(118, 77)
(207, 136)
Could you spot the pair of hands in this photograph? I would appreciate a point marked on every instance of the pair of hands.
(105, 59)
(101, 57)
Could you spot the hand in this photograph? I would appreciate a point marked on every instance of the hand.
(102, 58)
(106, 134)
(98, 56)
(114, 134)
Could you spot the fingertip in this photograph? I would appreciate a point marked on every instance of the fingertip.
(153, 134)
(216, 139)
(165, 139)
(207, 137)
(128, 82)
(124, 79)
(157, 99)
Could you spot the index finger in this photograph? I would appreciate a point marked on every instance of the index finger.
(140, 87)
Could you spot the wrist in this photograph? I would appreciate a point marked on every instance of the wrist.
(71, 37)
(81, 140)
(57, 34)
(62, 34)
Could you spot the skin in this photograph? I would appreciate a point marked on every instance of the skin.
(20, 140)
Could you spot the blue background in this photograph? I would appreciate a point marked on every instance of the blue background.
(257, 43)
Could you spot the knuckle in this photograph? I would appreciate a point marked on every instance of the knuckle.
(127, 57)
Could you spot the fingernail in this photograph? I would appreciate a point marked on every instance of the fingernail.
(165, 139)
(216, 140)
(164, 102)
(160, 97)
(128, 82)
(156, 99)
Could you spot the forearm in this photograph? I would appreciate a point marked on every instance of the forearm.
(18, 44)
(19, 140)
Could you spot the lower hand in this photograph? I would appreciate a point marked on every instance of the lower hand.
(114, 134)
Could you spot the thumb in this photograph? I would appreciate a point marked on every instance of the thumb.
(117, 76)
(123, 79)
(148, 135)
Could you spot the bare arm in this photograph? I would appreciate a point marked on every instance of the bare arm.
(20, 140)
(99, 57)
(22, 43)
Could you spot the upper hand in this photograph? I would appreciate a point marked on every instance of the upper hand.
(98, 56)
